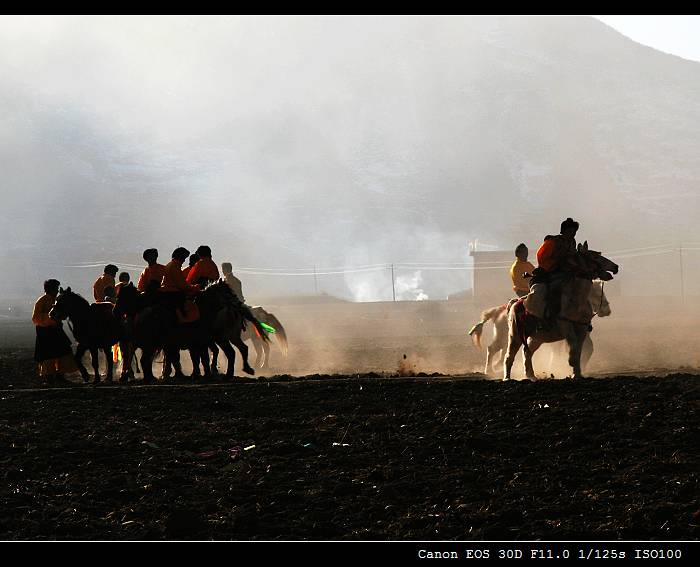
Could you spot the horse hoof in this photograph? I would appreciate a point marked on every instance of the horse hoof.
(248, 370)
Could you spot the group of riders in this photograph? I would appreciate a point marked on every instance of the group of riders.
(178, 289)
(170, 285)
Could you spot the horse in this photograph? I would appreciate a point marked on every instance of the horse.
(572, 322)
(231, 328)
(94, 327)
(262, 347)
(495, 352)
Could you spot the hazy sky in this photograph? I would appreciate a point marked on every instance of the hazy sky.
(678, 35)
(300, 142)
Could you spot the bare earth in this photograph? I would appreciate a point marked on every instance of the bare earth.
(355, 451)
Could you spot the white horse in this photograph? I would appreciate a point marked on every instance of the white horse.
(571, 324)
(496, 350)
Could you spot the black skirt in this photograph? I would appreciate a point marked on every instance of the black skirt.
(51, 342)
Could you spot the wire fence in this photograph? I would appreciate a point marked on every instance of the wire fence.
(668, 268)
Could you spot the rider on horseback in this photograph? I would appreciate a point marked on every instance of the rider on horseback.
(152, 276)
(106, 280)
(175, 289)
(233, 282)
(204, 271)
(556, 259)
(521, 266)
(194, 258)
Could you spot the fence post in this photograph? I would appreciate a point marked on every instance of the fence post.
(315, 281)
(393, 286)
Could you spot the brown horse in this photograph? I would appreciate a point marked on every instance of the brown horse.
(495, 351)
(572, 322)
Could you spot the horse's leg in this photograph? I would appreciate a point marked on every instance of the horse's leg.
(195, 356)
(532, 345)
(574, 339)
(174, 356)
(136, 360)
(110, 363)
(167, 366)
(243, 349)
(204, 355)
(127, 349)
(214, 357)
(514, 344)
(230, 356)
(266, 348)
(586, 351)
(94, 356)
(495, 352)
(259, 362)
(79, 352)
(147, 365)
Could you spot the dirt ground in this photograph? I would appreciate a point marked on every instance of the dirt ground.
(362, 453)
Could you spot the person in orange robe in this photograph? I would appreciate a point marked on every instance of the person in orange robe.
(173, 280)
(194, 258)
(52, 351)
(205, 270)
(556, 258)
(154, 272)
(107, 279)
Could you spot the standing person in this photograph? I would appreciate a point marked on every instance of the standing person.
(154, 272)
(205, 270)
(52, 350)
(233, 282)
(107, 279)
(194, 258)
(521, 285)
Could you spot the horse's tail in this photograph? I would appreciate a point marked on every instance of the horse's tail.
(248, 316)
(486, 316)
(281, 334)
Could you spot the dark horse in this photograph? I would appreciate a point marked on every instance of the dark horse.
(156, 327)
(231, 328)
(94, 327)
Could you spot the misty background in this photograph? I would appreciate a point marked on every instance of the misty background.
(294, 142)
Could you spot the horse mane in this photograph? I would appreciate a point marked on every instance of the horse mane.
(69, 291)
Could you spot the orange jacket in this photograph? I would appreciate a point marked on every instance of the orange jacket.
(554, 252)
(100, 285)
(204, 268)
(40, 315)
(151, 273)
(173, 280)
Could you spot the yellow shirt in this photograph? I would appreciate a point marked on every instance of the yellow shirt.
(40, 315)
(516, 275)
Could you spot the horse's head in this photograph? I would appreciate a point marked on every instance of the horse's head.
(595, 264)
(66, 304)
(599, 302)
